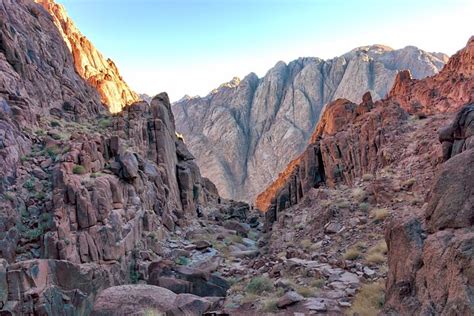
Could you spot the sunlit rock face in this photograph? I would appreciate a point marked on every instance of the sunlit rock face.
(246, 131)
(100, 72)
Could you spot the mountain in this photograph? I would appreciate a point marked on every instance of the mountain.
(90, 64)
(246, 131)
(406, 160)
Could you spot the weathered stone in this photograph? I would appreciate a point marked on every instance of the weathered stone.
(289, 298)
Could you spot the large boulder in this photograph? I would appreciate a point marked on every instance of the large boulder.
(144, 299)
(182, 279)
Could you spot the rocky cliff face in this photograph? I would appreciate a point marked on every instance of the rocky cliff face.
(349, 139)
(387, 152)
(430, 250)
(87, 200)
(99, 72)
(246, 131)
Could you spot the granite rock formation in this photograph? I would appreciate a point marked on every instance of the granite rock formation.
(246, 131)
(349, 139)
(87, 199)
(90, 64)
(384, 149)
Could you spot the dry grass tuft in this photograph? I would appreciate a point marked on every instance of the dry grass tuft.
(352, 254)
(270, 305)
(377, 254)
(359, 195)
(379, 214)
(369, 300)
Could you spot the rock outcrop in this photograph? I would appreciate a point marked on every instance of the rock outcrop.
(349, 139)
(446, 92)
(430, 256)
(87, 199)
(99, 72)
(246, 131)
(430, 252)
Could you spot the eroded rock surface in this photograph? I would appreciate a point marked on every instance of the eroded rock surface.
(246, 131)
(351, 140)
(90, 64)
(437, 277)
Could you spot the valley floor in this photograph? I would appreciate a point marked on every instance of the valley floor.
(326, 255)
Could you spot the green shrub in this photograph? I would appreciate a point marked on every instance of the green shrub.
(104, 123)
(30, 184)
(78, 169)
(182, 261)
(8, 196)
(55, 123)
(364, 207)
(53, 151)
(258, 285)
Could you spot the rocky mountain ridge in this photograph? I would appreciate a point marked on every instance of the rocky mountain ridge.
(246, 131)
(394, 164)
(90, 64)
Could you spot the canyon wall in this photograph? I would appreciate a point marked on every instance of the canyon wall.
(86, 198)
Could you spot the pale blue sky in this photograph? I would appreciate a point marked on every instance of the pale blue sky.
(192, 46)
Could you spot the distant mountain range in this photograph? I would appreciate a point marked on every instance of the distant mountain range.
(246, 131)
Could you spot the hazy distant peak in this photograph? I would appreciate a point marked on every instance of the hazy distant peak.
(187, 97)
(375, 48)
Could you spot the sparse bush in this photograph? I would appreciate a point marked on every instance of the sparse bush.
(55, 123)
(377, 253)
(249, 298)
(318, 283)
(408, 183)
(96, 175)
(352, 254)
(364, 207)
(359, 195)
(306, 291)
(8, 196)
(30, 184)
(380, 214)
(104, 123)
(182, 261)
(270, 305)
(306, 243)
(78, 169)
(369, 300)
(41, 195)
(53, 151)
(258, 285)
(375, 258)
(342, 204)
